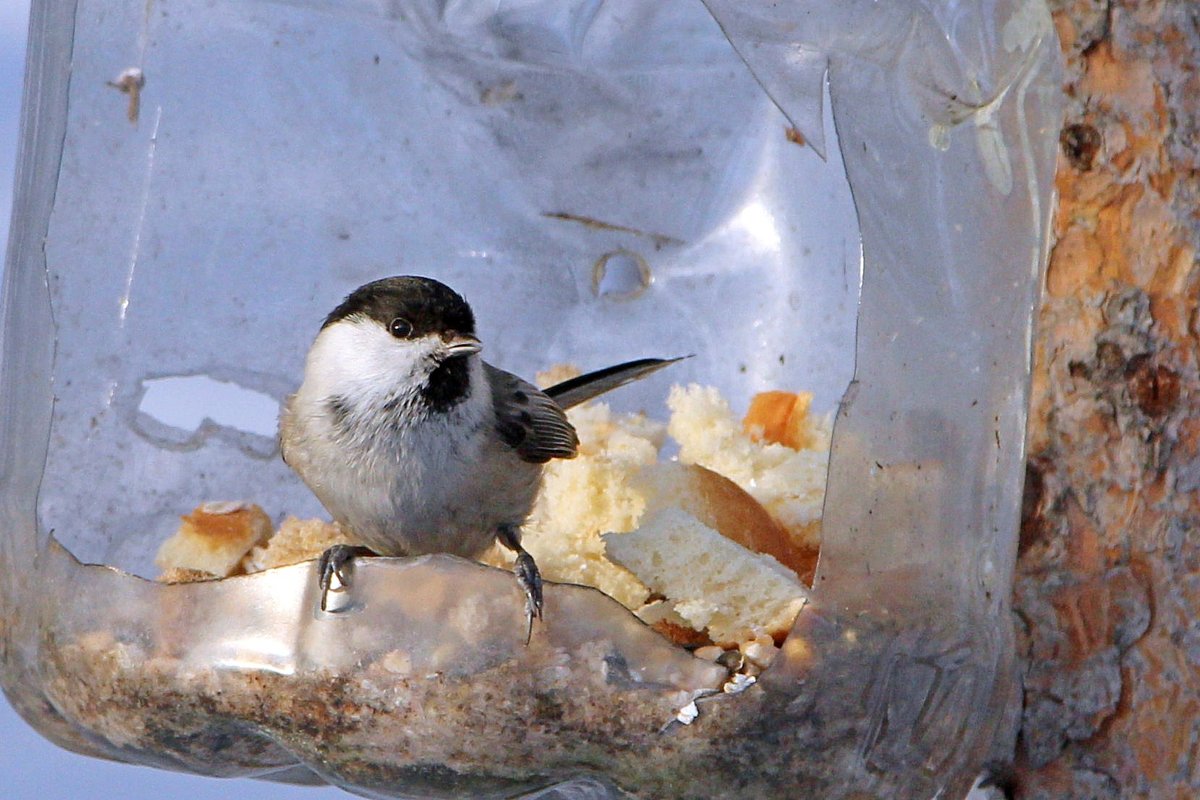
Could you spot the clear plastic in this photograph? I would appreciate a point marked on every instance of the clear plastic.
(812, 194)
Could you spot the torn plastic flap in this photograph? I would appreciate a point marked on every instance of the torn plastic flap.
(945, 60)
(790, 71)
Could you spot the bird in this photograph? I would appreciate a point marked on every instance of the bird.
(414, 443)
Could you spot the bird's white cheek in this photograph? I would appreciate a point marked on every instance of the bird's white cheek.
(361, 358)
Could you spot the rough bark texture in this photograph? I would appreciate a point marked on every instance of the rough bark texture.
(1108, 583)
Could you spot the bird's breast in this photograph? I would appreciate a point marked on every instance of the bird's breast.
(410, 484)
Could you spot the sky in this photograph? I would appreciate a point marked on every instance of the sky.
(31, 768)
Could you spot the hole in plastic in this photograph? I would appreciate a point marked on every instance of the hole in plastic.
(184, 402)
(620, 275)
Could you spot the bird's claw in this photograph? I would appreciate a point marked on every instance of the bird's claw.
(527, 574)
(333, 564)
(531, 581)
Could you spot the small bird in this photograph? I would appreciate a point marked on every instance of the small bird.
(414, 443)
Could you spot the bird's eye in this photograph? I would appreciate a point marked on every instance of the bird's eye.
(400, 328)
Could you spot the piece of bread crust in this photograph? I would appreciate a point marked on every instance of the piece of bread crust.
(214, 538)
(781, 418)
(789, 483)
(661, 615)
(185, 575)
(721, 504)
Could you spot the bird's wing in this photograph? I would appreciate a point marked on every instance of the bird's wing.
(529, 421)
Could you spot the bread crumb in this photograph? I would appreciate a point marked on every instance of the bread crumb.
(759, 653)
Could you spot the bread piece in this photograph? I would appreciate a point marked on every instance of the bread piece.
(781, 418)
(617, 481)
(721, 504)
(713, 582)
(789, 483)
(214, 538)
(296, 540)
(184, 575)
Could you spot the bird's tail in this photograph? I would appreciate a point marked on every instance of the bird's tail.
(584, 387)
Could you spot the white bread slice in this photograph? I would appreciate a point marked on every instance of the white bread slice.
(713, 582)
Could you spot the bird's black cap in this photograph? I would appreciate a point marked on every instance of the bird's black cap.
(429, 305)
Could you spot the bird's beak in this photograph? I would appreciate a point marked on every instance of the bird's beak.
(457, 345)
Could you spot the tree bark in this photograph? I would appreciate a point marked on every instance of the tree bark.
(1108, 575)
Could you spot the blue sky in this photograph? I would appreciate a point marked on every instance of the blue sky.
(30, 767)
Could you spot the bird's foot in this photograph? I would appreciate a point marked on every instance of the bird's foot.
(528, 577)
(531, 581)
(332, 569)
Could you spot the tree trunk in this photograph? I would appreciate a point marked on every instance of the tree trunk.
(1108, 576)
